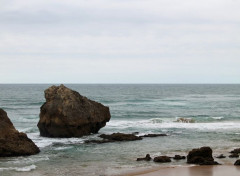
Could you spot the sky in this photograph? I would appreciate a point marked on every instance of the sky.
(119, 41)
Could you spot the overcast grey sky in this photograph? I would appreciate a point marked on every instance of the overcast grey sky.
(119, 41)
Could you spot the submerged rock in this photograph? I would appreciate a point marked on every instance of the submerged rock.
(147, 158)
(202, 156)
(162, 159)
(12, 142)
(68, 114)
(185, 120)
(153, 135)
(178, 157)
(120, 137)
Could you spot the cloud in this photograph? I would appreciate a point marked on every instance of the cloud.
(146, 39)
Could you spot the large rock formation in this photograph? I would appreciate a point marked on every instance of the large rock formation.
(202, 156)
(13, 143)
(68, 114)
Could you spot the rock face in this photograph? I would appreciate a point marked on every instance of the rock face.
(13, 143)
(237, 163)
(68, 114)
(236, 151)
(162, 159)
(179, 157)
(202, 156)
(234, 155)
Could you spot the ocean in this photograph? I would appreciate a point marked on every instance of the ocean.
(143, 108)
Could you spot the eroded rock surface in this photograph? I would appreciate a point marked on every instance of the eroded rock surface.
(12, 142)
(68, 114)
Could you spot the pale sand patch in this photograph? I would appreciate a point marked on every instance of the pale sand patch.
(223, 170)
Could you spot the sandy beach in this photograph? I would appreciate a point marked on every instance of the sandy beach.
(223, 170)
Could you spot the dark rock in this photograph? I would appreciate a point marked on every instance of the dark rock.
(234, 155)
(220, 156)
(68, 114)
(12, 142)
(98, 141)
(162, 159)
(135, 133)
(237, 163)
(120, 137)
(202, 156)
(147, 158)
(153, 135)
(236, 151)
(178, 157)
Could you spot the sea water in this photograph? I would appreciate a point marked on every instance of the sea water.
(215, 110)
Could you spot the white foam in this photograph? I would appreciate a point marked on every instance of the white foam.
(20, 169)
(149, 124)
(217, 118)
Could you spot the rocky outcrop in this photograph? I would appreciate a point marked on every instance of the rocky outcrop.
(185, 120)
(162, 159)
(202, 156)
(12, 142)
(146, 158)
(120, 137)
(68, 114)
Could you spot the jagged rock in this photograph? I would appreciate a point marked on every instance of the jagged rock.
(162, 159)
(153, 135)
(234, 155)
(202, 156)
(68, 114)
(178, 157)
(236, 151)
(237, 163)
(147, 158)
(220, 156)
(120, 137)
(98, 141)
(12, 142)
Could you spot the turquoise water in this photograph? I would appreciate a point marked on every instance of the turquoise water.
(134, 108)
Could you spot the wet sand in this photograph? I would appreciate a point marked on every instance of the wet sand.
(223, 170)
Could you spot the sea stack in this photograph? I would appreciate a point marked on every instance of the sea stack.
(12, 142)
(68, 114)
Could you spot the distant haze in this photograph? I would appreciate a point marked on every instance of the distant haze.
(119, 41)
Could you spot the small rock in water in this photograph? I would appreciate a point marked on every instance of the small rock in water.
(162, 159)
(237, 163)
(236, 151)
(120, 137)
(178, 157)
(147, 158)
(220, 156)
(234, 155)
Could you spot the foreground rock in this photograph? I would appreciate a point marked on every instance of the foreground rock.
(12, 142)
(120, 137)
(162, 159)
(201, 156)
(147, 158)
(68, 114)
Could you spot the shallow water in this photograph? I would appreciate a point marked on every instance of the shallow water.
(134, 108)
